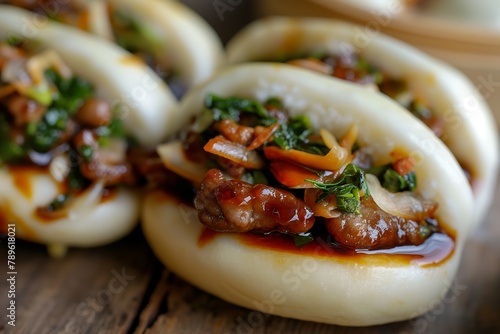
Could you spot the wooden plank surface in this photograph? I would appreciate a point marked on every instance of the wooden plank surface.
(97, 290)
(121, 288)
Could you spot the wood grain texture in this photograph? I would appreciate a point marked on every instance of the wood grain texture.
(74, 295)
(89, 291)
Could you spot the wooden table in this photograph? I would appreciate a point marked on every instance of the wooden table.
(121, 288)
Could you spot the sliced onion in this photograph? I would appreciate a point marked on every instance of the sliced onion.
(99, 23)
(328, 138)
(86, 201)
(37, 65)
(403, 204)
(235, 152)
(326, 208)
(173, 157)
(350, 137)
(15, 71)
(77, 206)
(60, 167)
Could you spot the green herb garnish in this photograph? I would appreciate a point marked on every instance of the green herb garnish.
(346, 189)
(293, 134)
(45, 133)
(302, 239)
(232, 107)
(71, 93)
(65, 101)
(394, 182)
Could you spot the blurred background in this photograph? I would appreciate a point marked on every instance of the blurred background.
(464, 33)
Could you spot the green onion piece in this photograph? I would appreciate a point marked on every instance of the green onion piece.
(302, 239)
(233, 107)
(115, 129)
(394, 182)
(275, 102)
(346, 188)
(41, 94)
(14, 40)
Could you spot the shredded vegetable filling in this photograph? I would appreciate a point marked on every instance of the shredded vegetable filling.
(51, 118)
(115, 24)
(353, 67)
(259, 169)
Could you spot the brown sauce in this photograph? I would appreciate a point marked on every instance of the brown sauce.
(132, 60)
(48, 217)
(207, 235)
(23, 181)
(22, 178)
(109, 195)
(436, 249)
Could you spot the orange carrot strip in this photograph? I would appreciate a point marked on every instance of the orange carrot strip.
(333, 160)
(292, 175)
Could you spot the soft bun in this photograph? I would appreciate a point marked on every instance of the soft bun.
(469, 128)
(148, 111)
(356, 291)
(189, 44)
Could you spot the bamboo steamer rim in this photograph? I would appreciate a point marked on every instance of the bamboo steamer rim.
(421, 30)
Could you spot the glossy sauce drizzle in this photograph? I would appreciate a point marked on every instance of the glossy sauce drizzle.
(22, 176)
(435, 250)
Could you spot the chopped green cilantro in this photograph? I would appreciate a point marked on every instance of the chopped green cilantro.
(71, 93)
(394, 182)
(293, 134)
(232, 107)
(115, 129)
(14, 40)
(346, 189)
